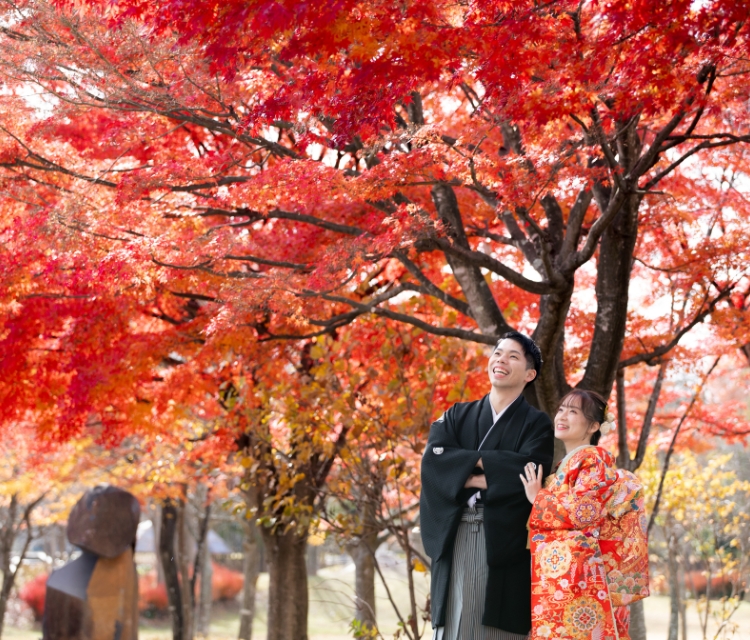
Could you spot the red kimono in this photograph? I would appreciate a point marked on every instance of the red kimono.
(589, 552)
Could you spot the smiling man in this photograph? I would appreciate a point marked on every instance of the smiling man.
(473, 510)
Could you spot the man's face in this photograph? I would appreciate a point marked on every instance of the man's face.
(507, 366)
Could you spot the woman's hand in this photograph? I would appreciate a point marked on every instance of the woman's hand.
(532, 480)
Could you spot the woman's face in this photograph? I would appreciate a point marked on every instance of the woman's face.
(571, 426)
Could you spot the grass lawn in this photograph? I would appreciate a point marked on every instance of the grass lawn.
(331, 606)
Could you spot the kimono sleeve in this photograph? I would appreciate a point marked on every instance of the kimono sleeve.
(580, 502)
(445, 469)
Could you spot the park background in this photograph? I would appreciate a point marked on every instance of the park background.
(251, 249)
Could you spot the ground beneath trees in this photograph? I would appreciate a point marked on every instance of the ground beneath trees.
(331, 594)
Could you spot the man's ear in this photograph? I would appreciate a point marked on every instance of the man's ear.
(530, 375)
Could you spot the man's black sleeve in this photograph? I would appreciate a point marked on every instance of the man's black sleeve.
(445, 468)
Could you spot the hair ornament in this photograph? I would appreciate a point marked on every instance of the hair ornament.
(609, 422)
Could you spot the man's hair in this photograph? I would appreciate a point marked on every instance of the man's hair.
(530, 350)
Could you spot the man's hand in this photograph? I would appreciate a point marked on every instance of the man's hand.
(480, 464)
(476, 482)
(532, 480)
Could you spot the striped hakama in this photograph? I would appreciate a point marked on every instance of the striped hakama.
(468, 583)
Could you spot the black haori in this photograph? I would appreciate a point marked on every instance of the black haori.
(522, 434)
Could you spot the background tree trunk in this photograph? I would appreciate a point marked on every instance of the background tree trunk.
(674, 588)
(14, 519)
(612, 294)
(184, 564)
(202, 571)
(287, 588)
(156, 520)
(362, 550)
(637, 621)
(251, 565)
(167, 556)
(203, 614)
(312, 560)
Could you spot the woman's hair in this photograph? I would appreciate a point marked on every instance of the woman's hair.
(593, 407)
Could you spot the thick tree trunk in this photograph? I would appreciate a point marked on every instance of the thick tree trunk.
(251, 562)
(612, 293)
(287, 589)
(637, 621)
(549, 335)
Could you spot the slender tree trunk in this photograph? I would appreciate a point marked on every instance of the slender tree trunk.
(251, 563)
(362, 550)
(167, 555)
(683, 602)
(312, 560)
(287, 590)
(9, 531)
(674, 588)
(8, 582)
(156, 521)
(7, 538)
(184, 564)
(203, 615)
(202, 569)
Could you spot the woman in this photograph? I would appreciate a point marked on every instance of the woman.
(587, 532)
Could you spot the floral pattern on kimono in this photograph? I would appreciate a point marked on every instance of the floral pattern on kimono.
(570, 597)
(623, 540)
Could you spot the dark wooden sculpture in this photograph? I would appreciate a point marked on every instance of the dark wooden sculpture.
(95, 596)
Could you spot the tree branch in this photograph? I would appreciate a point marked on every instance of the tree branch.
(666, 348)
(670, 449)
(640, 451)
(480, 259)
(430, 287)
(463, 334)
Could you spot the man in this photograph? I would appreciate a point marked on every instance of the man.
(473, 509)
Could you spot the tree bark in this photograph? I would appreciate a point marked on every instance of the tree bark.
(362, 550)
(156, 521)
(637, 621)
(481, 301)
(550, 335)
(251, 562)
(202, 567)
(312, 560)
(203, 614)
(287, 590)
(167, 556)
(184, 565)
(674, 588)
(612, 293)
(8, 534)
